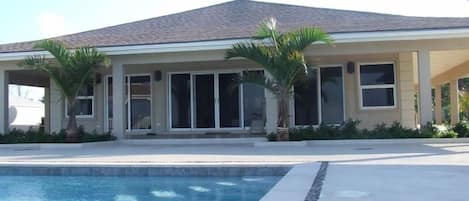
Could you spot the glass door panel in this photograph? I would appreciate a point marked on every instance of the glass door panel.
(109, 103)
(204, 101)
(332, 104)
(306, 101)
(181, 101)
(229, 100)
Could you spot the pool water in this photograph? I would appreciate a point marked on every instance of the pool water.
(101, 188)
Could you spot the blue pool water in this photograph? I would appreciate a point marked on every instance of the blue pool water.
(85, 188)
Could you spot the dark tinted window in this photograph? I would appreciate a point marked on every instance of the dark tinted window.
(376, 74)
(378, 97)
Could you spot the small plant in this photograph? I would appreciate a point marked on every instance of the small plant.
(272, 137)
(462, 129)
(448, 134)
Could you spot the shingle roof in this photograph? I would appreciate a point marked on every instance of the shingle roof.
(240, 19)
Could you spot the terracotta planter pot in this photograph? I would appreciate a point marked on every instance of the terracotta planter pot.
(282, 134)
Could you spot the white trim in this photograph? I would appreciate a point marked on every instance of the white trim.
(319, 96)
(380, 86)
(225, 44)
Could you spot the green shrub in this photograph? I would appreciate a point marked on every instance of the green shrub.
(349, 130)
(16, 136)
(271, 137)
(429, 131)
(448, 134)
(462, 129)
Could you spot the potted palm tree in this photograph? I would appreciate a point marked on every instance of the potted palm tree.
(71, 70)
(281, 54)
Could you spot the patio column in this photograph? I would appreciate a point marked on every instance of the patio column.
(454, 101)
(56, 108)
(271, 111)
(118, 100)
(425, 88)
(438, 105)
(4, 101)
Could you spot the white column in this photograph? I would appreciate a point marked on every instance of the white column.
(4, 123)
(407, 62)
(425, 88)
(454, 101)
(56, 108)
(47, 109)
(271, 110)
(438, 106)
(118, 101)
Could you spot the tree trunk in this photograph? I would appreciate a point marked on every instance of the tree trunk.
(283, 118)
(72, 128)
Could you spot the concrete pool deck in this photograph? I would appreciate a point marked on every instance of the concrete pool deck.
(363, 171)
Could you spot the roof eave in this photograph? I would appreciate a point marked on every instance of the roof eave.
(350, 37)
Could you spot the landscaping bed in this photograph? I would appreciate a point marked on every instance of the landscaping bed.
(350, 130)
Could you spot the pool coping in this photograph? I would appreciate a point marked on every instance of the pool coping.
(142, 170)
(295, 185)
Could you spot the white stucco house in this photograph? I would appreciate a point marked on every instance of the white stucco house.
(169, 76)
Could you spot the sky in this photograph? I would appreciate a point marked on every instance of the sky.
(23, 20)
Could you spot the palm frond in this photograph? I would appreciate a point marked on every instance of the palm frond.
(57, 49)
(259, 80)
(301, 39)
(251, 51)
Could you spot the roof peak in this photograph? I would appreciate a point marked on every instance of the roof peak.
(240, 19)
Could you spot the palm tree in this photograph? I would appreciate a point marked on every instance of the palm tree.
(72, 71)
(282, 57)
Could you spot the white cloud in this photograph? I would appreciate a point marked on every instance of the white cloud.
(51, 24)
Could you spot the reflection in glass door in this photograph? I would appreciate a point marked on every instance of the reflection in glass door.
(229, 100)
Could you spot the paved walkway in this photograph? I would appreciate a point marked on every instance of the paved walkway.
(378, 154)
(386, 172)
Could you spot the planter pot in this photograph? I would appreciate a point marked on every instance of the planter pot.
(282, 134)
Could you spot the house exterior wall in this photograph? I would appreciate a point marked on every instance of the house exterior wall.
(403, 112)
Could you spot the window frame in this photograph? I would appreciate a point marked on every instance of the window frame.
(377, 86)
(92, 98)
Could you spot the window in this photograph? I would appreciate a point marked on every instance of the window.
(377, 85)
(85, 102)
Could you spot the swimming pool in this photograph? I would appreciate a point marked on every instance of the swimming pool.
(136, 184)
(86, 188)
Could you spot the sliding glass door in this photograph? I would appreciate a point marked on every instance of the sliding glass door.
(320, 98)
(209, 101)
(138, 94)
